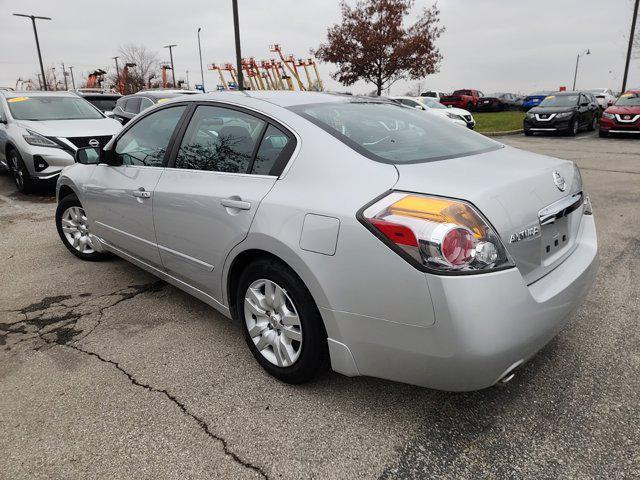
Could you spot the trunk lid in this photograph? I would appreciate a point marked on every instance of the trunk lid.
(511, 188)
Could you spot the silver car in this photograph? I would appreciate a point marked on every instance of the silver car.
(40, 132)
(343, 231)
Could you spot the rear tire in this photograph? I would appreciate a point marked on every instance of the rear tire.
(72, 226)
(21, 176)
(271, 340)
(469, 106)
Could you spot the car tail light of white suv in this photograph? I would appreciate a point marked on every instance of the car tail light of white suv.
(436, 234)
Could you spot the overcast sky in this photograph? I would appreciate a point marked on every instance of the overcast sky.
(492, 45)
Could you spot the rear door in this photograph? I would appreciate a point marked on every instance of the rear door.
(120, 197)
(225, 163)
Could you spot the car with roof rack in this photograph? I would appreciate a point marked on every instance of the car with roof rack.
(41, 131)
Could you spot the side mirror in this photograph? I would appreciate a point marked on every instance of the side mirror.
(88, 156)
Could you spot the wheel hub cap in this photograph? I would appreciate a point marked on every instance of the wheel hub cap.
(273, 323)
(75, 228)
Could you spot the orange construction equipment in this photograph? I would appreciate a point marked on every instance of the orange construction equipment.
(232, 71)
(294, 71)
(165, 67)
(315, 68)
(213, 66)
(303, 63)
(95, 78)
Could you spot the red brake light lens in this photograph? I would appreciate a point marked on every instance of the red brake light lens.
(436, 234)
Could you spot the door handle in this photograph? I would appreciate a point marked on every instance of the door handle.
(233, 203)
(141, 193)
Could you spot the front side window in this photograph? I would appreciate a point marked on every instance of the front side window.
(145, 144)
(42, 108)
(389, 133)
(219, 140)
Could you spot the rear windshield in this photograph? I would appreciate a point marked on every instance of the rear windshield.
(52, 108)
(560, 101)
(395, 134)
(463, 92)
(629, 100)
(103, 104)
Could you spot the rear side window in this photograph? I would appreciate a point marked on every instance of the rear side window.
(220, 140)
(393, 134)
(145, 144)
(145, 103)
(132, 105)
(273, 146)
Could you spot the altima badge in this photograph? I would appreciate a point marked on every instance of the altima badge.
(524, 234)
(559, 181)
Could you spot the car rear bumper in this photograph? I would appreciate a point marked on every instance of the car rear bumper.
(486, 325)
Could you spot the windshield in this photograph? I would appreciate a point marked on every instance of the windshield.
(103, 104)
(560, 101)
(52, 108)
(629, 100)
(431, 102)
(394, 134)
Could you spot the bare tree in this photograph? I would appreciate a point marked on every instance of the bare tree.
(144, 67)
(372, 43)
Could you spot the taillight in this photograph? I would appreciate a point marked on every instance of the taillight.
(436, 234)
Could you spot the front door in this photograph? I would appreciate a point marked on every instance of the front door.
(205, 202)
(119, 198)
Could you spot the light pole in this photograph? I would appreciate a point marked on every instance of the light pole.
(188, 80)
(633, 32)
(575, 75)
(55, 80)
(173, 70)
(35, 32)
(73, 82)
(236, 30)
(200, 52)
(64, 75)
(117, 74)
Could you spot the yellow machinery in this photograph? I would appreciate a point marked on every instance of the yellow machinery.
(217, 68)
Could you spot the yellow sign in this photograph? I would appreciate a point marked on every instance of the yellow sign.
(17, 99)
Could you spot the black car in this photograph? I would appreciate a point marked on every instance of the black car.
(129, 106)
(565, 112)
(104, 101)
(497, 102)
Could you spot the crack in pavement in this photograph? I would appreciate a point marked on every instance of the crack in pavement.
(66, 335)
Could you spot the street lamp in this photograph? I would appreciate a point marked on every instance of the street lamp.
(575, 76)
(173, 70)
(73, 82)
(200, 52)
(117, 75)
(35, 32)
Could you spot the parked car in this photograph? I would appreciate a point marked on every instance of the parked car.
(433, 94)
(432, 106)
(467, 99)
(129, 106)
(623, 116)
(497, 102)
(40, 132)
(465, 115)
(103, 100)
(534, 99)
(343, 231)
(566, 112)
(604, 96)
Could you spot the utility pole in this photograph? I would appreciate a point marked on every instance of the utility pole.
(633, 33)
(55, 80)
(200, 52)
(173, 71)
(40, 80)
(35, 32)
(117, 74)
(64, 75)
(188, 80)
(236, 30)
(73, 82)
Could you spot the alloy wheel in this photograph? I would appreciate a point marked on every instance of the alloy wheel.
(75, 228)
(16, 169)
(273, 322)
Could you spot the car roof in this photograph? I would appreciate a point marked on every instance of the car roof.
(37, 93)
(285, 98)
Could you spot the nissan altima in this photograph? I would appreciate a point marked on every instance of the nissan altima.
(343, 232)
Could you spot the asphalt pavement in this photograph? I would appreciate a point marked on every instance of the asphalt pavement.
(107, 372)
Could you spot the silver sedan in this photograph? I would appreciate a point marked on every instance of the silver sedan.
(342, 231)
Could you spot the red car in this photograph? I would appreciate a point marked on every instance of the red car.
(466, 99)
(623, 116)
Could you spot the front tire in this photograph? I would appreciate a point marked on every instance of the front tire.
(573, 128)
(281, 323)
(73, 228)
(21, 175)
(528, 133)
(594, 123)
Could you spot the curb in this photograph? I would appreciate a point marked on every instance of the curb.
(500, 134)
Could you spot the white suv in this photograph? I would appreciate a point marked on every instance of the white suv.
(40, 132)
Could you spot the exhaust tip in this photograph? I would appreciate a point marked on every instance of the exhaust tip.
(509, 373)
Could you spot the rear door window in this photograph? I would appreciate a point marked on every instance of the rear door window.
(132, 105)
(275, 144)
